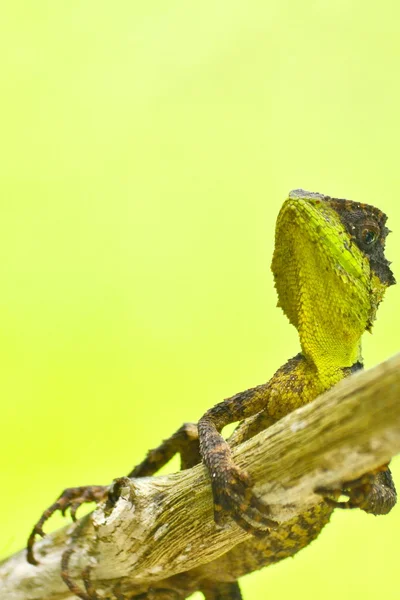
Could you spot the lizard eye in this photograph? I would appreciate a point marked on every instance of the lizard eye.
(370, 234)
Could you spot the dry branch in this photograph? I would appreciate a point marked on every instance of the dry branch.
(161, 526)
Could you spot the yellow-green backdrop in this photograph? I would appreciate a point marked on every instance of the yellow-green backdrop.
(146, 148)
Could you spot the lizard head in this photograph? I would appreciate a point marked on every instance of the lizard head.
(330, 272)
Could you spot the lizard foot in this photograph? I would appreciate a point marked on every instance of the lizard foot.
(234, 496)
(357, 490)
(90, 593)
(71, 498)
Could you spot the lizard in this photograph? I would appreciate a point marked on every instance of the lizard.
(330, 275)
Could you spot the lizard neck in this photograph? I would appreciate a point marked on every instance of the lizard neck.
(329, 351)
(331, 316)
(331, 347)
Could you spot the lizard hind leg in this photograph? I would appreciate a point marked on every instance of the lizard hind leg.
(221, 591)
(373, 492)
(90, 592)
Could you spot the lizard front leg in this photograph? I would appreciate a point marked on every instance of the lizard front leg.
(71, 498)
(231, 486)
(184, 441)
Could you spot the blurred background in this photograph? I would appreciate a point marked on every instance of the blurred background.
(146, 150)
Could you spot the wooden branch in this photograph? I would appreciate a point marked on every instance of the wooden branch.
(161, 526)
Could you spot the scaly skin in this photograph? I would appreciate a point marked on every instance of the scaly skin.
(330, 274)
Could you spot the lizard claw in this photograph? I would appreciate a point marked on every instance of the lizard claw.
(73, 508)
(71, 498)
(234, 496)
(39, 531)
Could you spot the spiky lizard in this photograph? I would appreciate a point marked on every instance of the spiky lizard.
(330, 274)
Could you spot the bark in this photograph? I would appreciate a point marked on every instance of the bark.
(161, 526)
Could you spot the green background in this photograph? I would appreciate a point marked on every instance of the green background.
(146, 148)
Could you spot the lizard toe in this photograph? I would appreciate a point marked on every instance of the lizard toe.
(235, 498)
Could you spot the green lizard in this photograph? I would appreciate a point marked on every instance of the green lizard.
(330, 274)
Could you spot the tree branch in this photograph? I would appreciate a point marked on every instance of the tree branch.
(161, 526)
